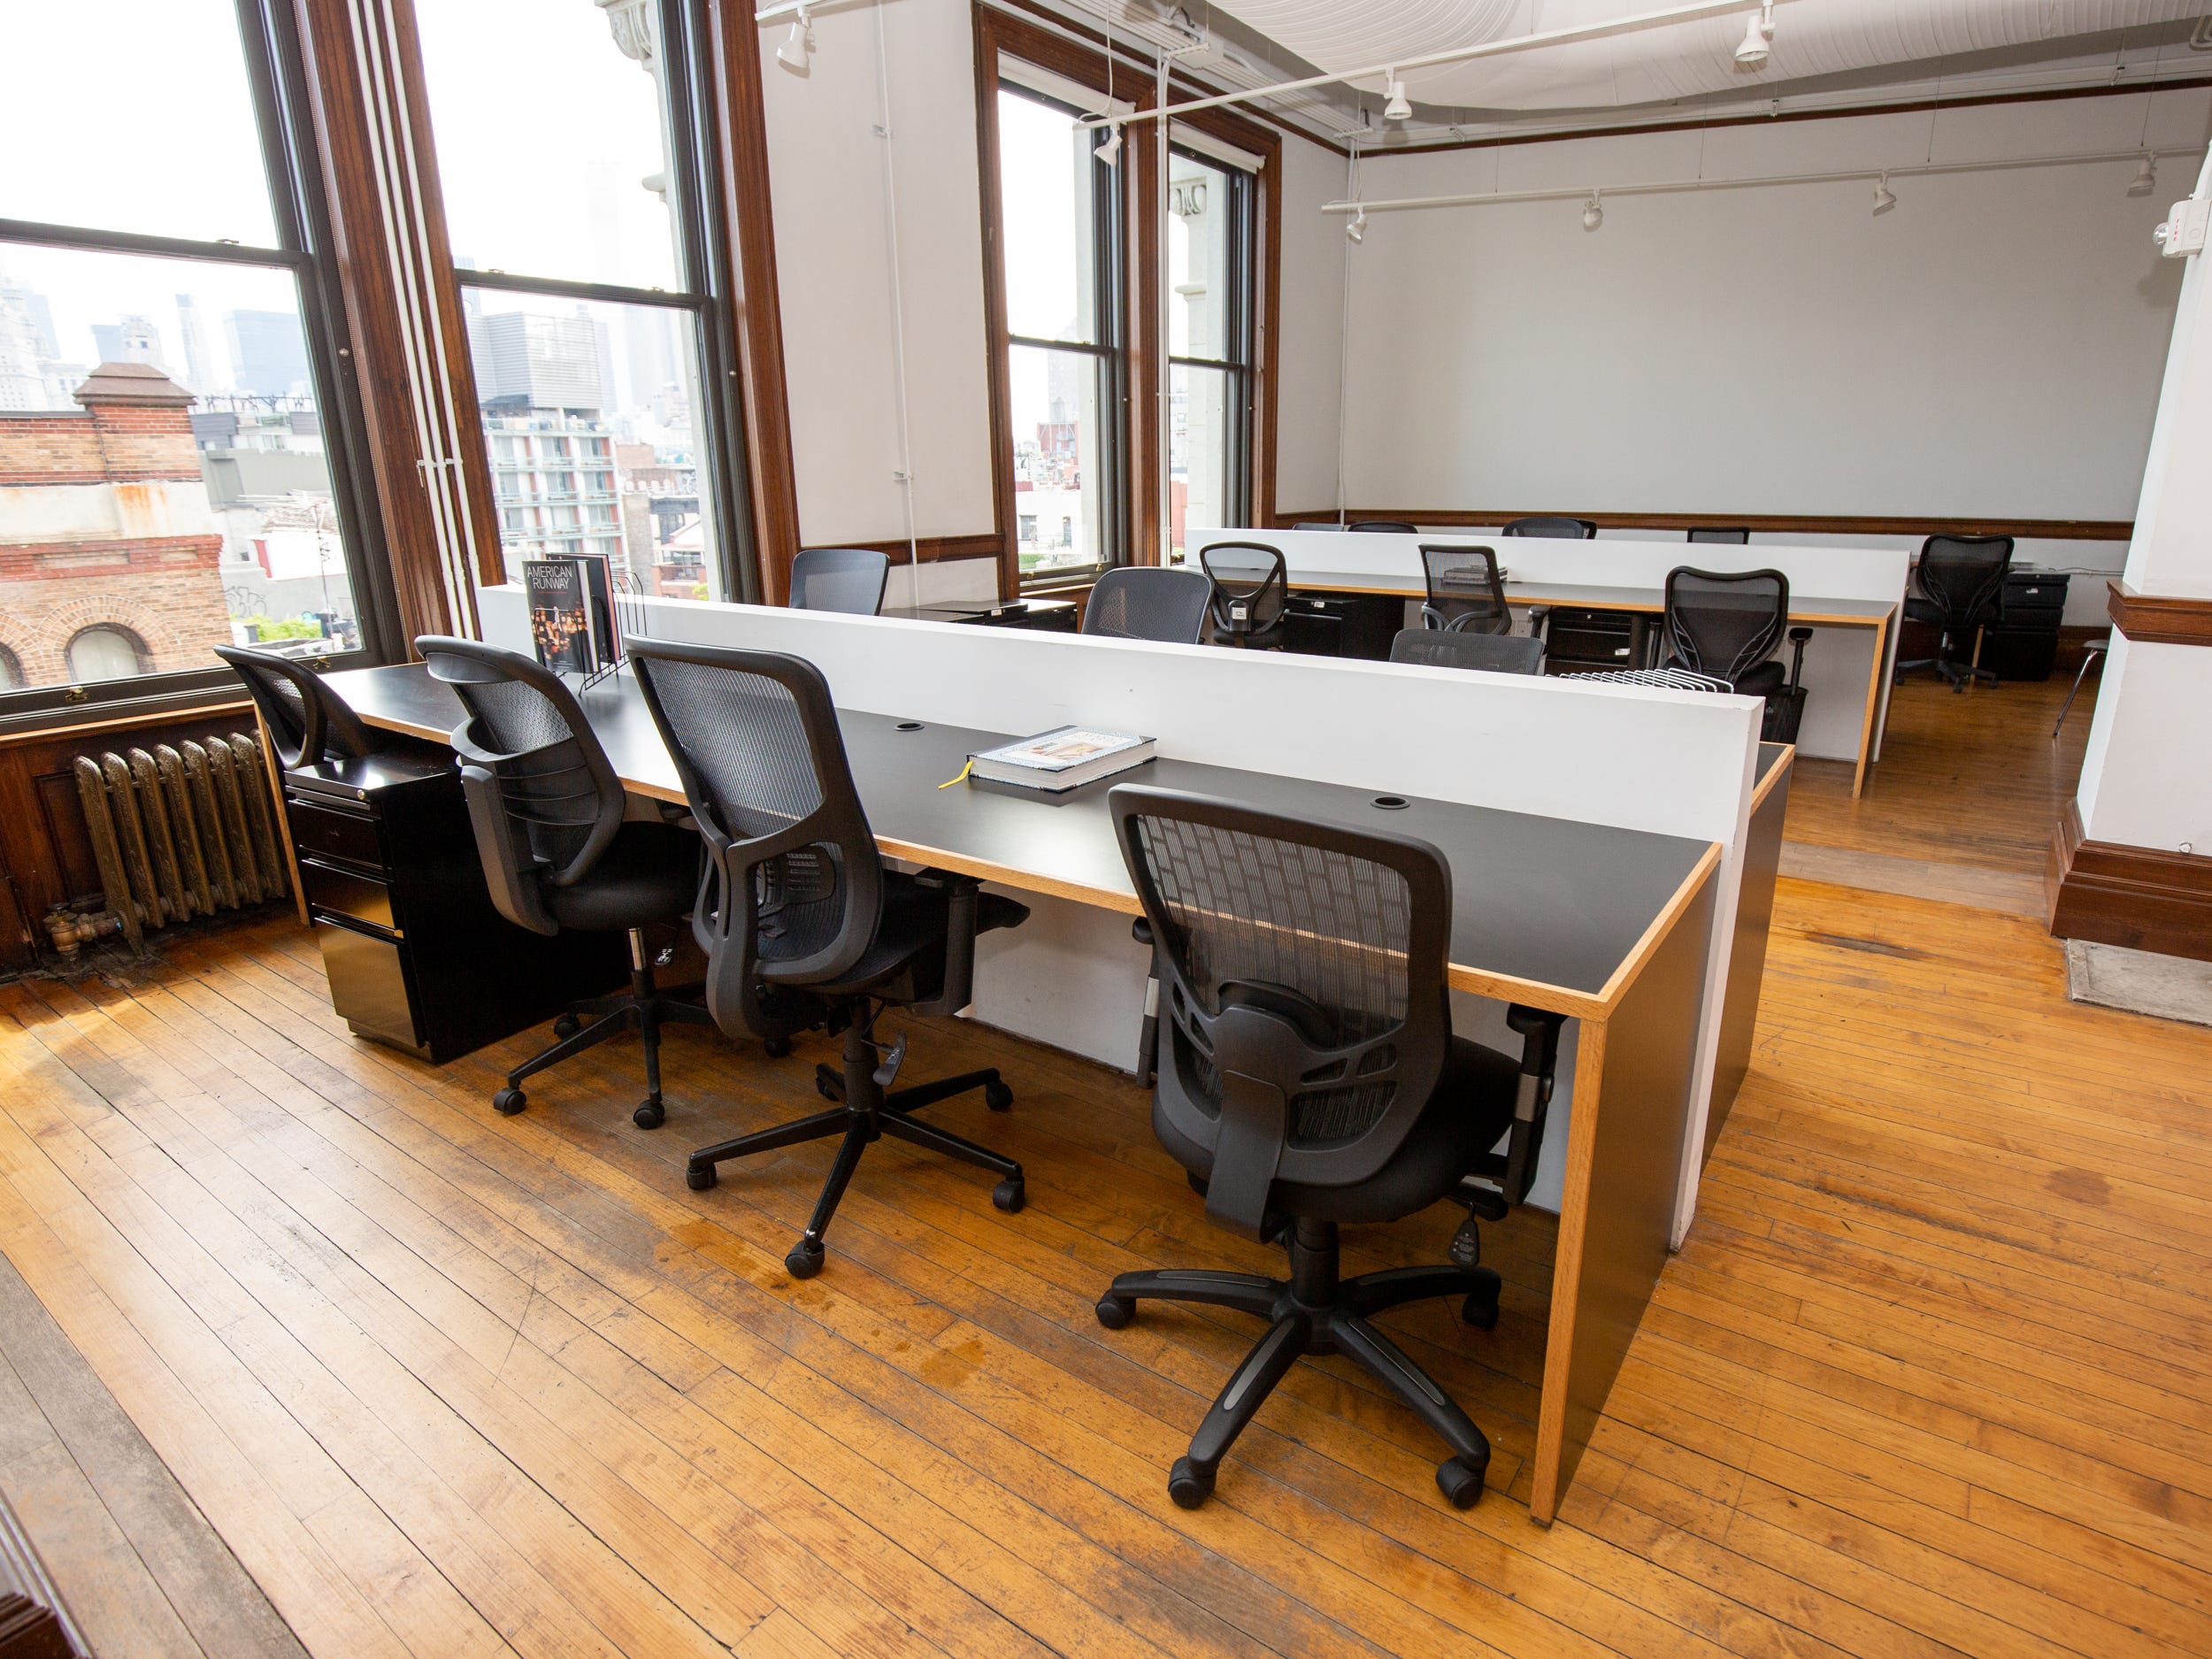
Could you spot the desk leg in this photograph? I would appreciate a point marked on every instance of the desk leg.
(1634, 1073)
(1873, 706)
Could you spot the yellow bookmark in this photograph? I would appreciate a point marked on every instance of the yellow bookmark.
(963, 778)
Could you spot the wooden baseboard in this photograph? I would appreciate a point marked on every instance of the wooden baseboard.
(2159, 618)
(2114, 894)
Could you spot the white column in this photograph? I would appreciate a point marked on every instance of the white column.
(2146, 779)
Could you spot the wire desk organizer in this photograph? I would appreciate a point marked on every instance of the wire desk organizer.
(631, 617)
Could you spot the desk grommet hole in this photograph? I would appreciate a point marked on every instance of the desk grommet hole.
(1392, 802)
(908, 726)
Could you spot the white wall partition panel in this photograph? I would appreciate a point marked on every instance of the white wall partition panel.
(837, 238)
(1839, 661)
(1672, 763)
(1310, 329)
(1991, 346)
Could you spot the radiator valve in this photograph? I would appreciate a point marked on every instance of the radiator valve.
(72, 931)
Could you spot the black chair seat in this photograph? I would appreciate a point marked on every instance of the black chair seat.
(1761, 679)
(649, 873)
(911, 935)
(1471, 1108)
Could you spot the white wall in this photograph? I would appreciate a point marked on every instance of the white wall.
(833, 261)
(1311, 327)
(1991, 346)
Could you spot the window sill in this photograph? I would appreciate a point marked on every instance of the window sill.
(118, 715)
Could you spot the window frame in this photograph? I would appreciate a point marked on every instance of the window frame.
(1107, 349)
(703, 264)
(292, 165)
(1243, 368)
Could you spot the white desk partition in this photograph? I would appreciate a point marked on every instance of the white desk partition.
(1839, 661)
(1672, 763)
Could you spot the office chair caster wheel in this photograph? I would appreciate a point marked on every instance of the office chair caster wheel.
(828, 1084)
(651, 1114)
(698, 1179)
(1010, 1195)
(567, 1026)
(775, 1048)
(1460, 1481)
(1114, 1312)
(1188, 1485)
(510, 1100)
(1198, 1183)
(1479, 1312)
(805, 1260)
(998, 1097)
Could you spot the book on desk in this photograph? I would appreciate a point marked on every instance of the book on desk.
(1064, 759)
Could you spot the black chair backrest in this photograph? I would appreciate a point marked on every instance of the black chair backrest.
(1148, 602)
(1721, 535)
(543, 796)
(1394, 526)
(1491, 653)
(1963, 574)
(793, 889)
(1465, 591)
(849, 579)
(1318, 523)
(1724, 622)
(307, 720)
(1557, 528)
(1251, 587)
(1304, 987)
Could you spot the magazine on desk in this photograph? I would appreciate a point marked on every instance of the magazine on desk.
(1064, 759)
(571, 611)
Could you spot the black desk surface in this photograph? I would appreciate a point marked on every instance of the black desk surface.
(1804, 607)
(1550, 900)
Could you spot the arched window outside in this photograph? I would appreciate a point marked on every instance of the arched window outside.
(11, 671)
(106, 652)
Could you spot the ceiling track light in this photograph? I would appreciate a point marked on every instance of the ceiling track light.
(1399, 108)
(2145, 178)
(1884, 200)
(1356, 227)
(1758, 39)
(1108, 152)
(797, 44)
(1593, 213)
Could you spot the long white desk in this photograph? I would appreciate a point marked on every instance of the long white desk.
(1850, 597)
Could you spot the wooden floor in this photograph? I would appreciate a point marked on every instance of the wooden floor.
(1933, 1374)
(1969, 777)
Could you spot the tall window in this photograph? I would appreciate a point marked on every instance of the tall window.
(176, 450)
(1062, 240)
(1211, 234)
(589, 260)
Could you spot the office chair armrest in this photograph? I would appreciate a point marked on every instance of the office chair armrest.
(1540, 1063)
(957, 987)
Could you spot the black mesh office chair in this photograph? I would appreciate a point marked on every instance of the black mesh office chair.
(1720, 535)
(802, 924)
(1726, 624)
(849, 579)
(1318, 523)
(1145, 602)
(1962, 584)
(1556, 528)
(1491, 653)
(1311, 1078)
(1251, 590)
(1392, 526)
(1465, 593)
(307, 720)
(547, 810)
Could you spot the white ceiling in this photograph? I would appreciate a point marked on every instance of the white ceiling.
(1816, 43)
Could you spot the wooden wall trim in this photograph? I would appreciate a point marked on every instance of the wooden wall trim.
(1765, 524)
(2137, 896)
(2159, 618)
(740, 120)
(984, 544)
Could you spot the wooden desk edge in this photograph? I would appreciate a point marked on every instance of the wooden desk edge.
(1818, 618)
(1656, 935)
(1773, 775)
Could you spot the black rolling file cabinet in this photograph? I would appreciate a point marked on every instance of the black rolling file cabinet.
(1342, 624)
(2024, 645)
(1578, 641)
(416, 955)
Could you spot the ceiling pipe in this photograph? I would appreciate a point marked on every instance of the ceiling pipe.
(1460, 55)
(1676, 187)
